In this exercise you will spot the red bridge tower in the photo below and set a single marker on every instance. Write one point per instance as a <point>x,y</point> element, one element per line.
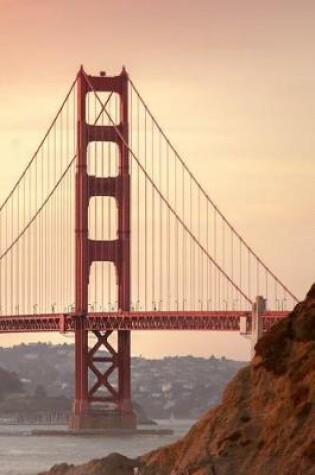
<point>114,410</point>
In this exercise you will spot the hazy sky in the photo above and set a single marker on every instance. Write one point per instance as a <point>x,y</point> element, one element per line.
<point>233,83</point>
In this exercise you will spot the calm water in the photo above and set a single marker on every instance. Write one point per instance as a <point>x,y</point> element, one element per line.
<point>23,454</point>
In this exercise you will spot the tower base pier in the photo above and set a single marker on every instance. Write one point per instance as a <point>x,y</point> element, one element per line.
<point>105,420</point>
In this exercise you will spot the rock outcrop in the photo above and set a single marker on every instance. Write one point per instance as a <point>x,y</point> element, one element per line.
<point>266,421</point>
<point>113,464</point>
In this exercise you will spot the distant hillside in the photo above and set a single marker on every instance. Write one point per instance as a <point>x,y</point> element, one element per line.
<point>9,384</point>
<point>180,387</point>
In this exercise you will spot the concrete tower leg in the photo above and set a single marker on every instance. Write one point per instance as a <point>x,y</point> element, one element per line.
<point>259,307</point>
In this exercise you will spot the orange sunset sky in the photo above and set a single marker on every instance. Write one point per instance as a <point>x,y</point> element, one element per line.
<point>233,84</point>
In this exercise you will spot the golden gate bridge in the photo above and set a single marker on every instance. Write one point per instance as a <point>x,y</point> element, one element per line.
<point>107,231</point>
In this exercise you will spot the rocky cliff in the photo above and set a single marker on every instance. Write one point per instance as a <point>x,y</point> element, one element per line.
<point>265,423</point>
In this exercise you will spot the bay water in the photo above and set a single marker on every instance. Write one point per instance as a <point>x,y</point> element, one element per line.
<point>24,454</point>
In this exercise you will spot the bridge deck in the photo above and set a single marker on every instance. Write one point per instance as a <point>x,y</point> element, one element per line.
<point>137,320</point>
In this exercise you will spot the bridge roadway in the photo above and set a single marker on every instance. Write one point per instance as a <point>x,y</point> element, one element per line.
<point>138,320</point>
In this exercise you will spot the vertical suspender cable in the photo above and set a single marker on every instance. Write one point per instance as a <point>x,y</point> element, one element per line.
<point>138,208</point>
<point>160,298</point>
<point>145,214</point>
<point>153,220</point>
<point>176,244</point>
<point>183,243</point>
<point>168,234</point>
